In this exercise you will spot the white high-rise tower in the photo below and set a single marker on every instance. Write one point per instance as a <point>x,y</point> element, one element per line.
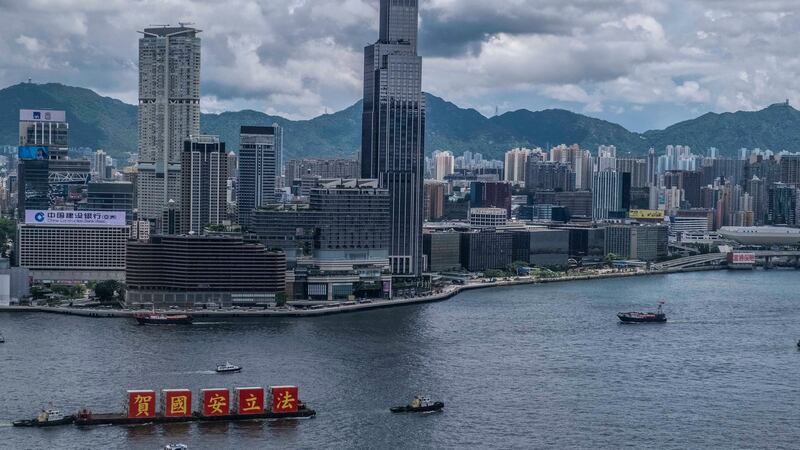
<point>169,112</point>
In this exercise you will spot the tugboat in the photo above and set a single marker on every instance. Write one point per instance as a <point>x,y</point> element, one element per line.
<point>46,418</point>
<point>154,318</point>
<point>640,317</point>
<point>228,368</point>
<point>419,404</point>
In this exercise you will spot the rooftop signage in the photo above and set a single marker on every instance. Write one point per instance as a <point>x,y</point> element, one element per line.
<point>52,217</point>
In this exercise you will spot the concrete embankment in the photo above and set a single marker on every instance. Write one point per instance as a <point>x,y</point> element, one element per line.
<point>452,291</point>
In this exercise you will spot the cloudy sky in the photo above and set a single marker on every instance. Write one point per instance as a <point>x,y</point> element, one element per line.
<point>642,63</point>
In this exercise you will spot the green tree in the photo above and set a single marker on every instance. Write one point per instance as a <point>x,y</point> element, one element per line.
<point>106,291</point>
<point>280,299</point>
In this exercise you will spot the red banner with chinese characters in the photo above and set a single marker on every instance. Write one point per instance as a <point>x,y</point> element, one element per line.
<point>177,402</point>
<point>216,402</point>
<point>250,400</point>
<point>284,399</point>
<point>141,404</point>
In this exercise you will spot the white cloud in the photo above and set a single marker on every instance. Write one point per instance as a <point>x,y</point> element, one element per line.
<point>299,57</point>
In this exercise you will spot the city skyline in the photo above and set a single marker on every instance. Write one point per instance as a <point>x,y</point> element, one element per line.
<point>641,64</point>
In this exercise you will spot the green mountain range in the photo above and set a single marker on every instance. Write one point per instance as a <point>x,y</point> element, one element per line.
<point>107,123</point>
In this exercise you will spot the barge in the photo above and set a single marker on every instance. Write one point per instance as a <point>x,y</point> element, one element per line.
<point>123,419</point>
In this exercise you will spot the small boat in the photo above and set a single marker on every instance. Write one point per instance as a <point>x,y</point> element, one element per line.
<point>798,344</point>
<point>153,318</point>
<point>2,339</point>
<point>419,404</point>
<point>228,368</point>
<point>177,446</point>
<point>640,317</point>
<point>46,418</point>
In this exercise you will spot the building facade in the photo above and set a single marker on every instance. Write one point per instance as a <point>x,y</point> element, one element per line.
<point>110,196</point>
<point>73,245</point>
<point>169,112</point>
<point>260,156</point>
<point>541,247</point>
<point>204,183</point>
<point>442,251</point>
<point>642,242</point>
<point>486,249</point>
<point>393,145</point>
<point>202,270</point>
<point>487,217</point>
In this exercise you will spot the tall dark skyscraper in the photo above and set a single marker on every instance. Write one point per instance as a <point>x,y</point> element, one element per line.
<point>392,140</point>
<point>260,151</point>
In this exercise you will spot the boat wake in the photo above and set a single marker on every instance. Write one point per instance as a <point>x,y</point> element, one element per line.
<point>192,372</point>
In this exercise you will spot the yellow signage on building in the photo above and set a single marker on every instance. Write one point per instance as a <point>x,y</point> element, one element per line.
<point>647,214</point>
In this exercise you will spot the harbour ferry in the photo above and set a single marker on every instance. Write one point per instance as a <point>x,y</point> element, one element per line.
<point>154,318</point>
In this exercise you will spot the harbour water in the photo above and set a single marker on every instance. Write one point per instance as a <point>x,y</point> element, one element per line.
<point>545,366</point>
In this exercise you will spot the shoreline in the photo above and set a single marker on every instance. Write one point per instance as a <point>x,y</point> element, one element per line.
<point>343,309</point>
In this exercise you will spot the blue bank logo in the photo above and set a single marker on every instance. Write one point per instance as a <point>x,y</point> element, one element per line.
<point>37,115</point>
<point>39,217</point>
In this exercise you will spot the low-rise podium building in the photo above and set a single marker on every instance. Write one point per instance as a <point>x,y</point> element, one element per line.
<point>203,270</point>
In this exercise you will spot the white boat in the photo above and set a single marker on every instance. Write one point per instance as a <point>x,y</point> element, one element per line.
<point>2,339</point>
<point>176,447</point>
<point>228,367</point>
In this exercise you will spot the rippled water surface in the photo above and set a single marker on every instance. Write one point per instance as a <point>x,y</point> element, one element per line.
<point>520,367</point>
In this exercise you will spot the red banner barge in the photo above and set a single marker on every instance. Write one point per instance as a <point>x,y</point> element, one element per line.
<point>215,405</point>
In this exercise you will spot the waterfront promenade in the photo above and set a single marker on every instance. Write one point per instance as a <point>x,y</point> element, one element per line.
<point>339,307</point>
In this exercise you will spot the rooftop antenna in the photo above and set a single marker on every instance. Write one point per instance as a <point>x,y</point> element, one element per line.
<point>496,110</point>
<point>183,24</point>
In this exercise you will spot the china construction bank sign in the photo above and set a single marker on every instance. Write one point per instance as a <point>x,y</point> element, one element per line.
<point>51,217</point>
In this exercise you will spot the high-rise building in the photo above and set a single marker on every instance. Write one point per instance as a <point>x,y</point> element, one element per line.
<point>434,199</point>
<point>758,192</point>
<point>637,168</point>
<point>169,112</point>
<point>490,194</point>
<point>443,164</point>
<point>392,145</point>
<point>43,135</point>
<point>608,194</point>
<point>790,169</point>
<point>99,164</point>
<point>203,183</point>
<point>515,164</point>
<point>652,168</point>
<point>549,176</point>
<point>782,205</point>
<point>260,151</point>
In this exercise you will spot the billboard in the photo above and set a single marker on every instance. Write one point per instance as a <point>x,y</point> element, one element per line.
<point>284,399</point>
<point>42,115</point>
<point>176,402</point>
<point>647,214</point>
<point>250,400</point>
<point>141,404</point>
<point>742,258</point>
<point>52,217</point>
<point>216,402</point>
<point>33,152</point>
